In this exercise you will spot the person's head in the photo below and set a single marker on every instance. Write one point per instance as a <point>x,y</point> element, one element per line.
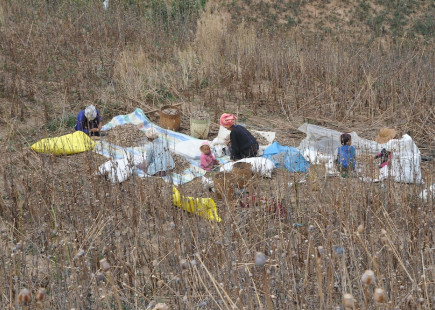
<point>90,113</point>
<point>385,135</point>
<point>228,120</point>
<point>346,139</point>
<point>151,134</point>
<point>205,148</point>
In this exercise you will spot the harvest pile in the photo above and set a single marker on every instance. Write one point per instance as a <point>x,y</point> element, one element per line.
<point>181,163</point>
<point>170,111</point>
<point>260,139</point>
<point>200,115</point>
<point>126,136</point>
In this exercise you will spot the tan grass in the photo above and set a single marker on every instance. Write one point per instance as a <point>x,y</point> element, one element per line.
<point>58,220</point>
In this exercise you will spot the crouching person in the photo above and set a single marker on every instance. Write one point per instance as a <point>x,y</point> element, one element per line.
<point>242,143</point>
<point>158,157</point>
<point>89,121</point>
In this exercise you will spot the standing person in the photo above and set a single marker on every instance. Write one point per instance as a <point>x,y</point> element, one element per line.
<point>89,121</point>
<point>158,157</point>
<point>242,142</point>
<point>207,159</point>
<point>346,155</point>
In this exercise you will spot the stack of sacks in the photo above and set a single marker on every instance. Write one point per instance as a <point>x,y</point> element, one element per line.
<point>119,170</point>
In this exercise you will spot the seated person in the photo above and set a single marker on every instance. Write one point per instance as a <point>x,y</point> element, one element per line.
<point>89,121</point>
<point>158,157</point>
<point>346,155</point>
<point>207,159</point>
<point>243,144</point>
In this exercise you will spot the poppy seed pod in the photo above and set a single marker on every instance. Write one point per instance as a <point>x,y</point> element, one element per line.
<point>161,306</point>
<point>348,301</point>
<point>99,276</point>
<point>24,297</point>
<point>260,259</point>
<point>379,295</point>
<point>184,264</point>
<point>79,254</point>
<point>320,250</point>
<point>368,277</point>
<point>104,265</point>
<point>40,294</point>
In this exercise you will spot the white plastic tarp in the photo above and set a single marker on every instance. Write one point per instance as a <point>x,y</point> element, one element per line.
<point>189,148</point>
<point>320,146</point>
<point>224,134</point>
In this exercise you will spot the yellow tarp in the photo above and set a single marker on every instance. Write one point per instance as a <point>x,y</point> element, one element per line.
<point>72,143</point>
<point>204,207</point>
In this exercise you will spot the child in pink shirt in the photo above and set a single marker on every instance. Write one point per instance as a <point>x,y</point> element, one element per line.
<point>385,157</point>
<point>208,161</point>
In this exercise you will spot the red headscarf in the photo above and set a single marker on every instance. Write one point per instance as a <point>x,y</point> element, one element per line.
<point>227,120</point>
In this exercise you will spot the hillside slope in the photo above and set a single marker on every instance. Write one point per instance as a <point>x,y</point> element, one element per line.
<point>396,19</point>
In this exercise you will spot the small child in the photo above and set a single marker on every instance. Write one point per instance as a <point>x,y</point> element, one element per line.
<point>346,155</point>
<point>208,161</point>
<point>385,157</point>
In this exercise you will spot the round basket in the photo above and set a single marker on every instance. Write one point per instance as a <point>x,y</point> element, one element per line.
<point>199,128</point>
<point>223,184</point>
<point>242,173</point>
<point>170,120</point>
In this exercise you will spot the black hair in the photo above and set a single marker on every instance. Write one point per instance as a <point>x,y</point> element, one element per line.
<point>344,138</point>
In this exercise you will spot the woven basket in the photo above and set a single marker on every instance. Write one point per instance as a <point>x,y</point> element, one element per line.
<point>199,128</point>
<point>171,122</point>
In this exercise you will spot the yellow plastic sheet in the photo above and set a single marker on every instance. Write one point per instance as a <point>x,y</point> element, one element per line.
<point>204,207</point>
<point>72,143</point>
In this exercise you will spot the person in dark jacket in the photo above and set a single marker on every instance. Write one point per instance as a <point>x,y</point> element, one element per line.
<point>89,121</point>
<point>243,143</point>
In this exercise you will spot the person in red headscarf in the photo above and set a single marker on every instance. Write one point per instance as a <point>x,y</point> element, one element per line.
<point>243,143</point>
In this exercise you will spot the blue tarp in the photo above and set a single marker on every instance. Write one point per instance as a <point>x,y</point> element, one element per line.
<point>286,157</point>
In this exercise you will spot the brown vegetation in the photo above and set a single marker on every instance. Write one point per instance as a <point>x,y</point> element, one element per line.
<point>59,221</point>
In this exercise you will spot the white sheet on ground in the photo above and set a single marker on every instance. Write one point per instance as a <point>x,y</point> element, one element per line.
<point>189,148</point>
<point>320,146</point>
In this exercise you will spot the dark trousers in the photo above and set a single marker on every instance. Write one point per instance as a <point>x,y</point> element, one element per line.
<point>252,151</point>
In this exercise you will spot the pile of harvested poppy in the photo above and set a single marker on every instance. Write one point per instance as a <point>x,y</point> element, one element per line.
<point>126,135</point>
<point>260,139</point>
<point>170,111</point>
<point>181,163</point>
<point>200,115</point>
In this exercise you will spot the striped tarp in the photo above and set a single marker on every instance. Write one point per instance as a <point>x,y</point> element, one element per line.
<point>139,119</point>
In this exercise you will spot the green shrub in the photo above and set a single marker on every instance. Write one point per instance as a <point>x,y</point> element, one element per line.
<point>425,26</point>
<point>68,121</point>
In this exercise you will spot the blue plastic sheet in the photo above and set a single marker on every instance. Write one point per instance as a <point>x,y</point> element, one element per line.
<point>286,157</point>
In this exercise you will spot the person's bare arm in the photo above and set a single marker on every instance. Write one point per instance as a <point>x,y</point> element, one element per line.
<point>98,128</point>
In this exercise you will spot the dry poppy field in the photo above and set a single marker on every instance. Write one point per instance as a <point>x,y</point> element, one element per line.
<point>72,240</point>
